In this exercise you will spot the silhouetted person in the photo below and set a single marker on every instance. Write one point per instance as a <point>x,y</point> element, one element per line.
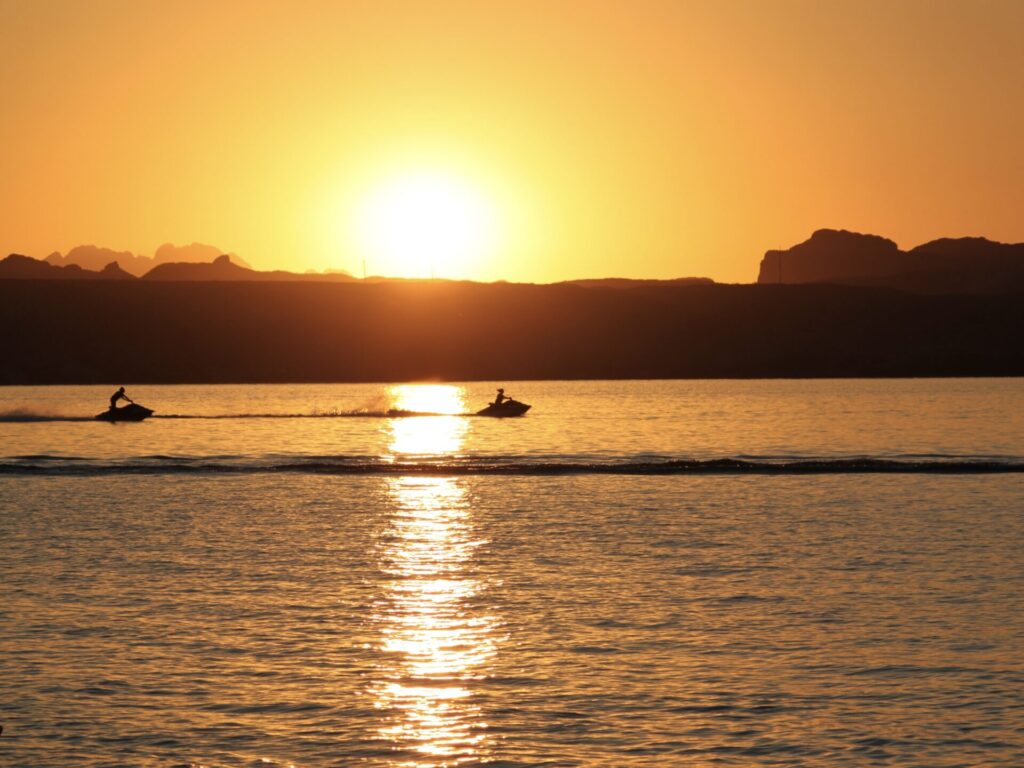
<point>119,395</point>
<point>501,397</point>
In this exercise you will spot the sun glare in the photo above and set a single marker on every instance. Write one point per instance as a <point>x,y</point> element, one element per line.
<point>425,224</point>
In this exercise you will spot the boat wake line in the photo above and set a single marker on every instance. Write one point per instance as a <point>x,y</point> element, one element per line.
<point>391,413</point>
<point>35,417</point>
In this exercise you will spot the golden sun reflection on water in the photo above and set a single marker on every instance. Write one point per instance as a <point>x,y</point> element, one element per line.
<point>436,636</point>
<point>427,435</point>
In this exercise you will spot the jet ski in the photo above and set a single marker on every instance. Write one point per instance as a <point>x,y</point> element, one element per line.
<point>132,412</point>
<point>506,409</point>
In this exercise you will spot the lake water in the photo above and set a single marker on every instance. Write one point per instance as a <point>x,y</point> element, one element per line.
<point>691,573</point>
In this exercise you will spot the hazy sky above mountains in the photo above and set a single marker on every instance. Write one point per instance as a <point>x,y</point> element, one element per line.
<point>583,139</point>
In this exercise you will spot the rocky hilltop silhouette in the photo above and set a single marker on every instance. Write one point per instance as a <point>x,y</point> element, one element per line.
<point>94,258</point>
<point>948,265</point>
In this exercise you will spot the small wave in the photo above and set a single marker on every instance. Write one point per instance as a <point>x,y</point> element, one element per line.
<point>477,465</point>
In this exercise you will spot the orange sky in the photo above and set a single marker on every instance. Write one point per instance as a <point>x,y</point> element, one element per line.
<point>637,139</point>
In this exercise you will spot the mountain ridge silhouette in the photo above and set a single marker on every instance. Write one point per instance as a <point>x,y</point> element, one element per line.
<point>94,258</point>
<point>829,256</point>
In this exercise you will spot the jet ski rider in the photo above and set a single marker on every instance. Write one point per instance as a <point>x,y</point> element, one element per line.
<point>500,398</point>
<point>119,395</point>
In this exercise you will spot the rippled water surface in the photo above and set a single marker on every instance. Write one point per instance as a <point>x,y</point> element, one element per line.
<point>820,573</point>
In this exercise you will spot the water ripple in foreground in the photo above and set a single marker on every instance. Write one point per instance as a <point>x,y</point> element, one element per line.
<point>455,466</point>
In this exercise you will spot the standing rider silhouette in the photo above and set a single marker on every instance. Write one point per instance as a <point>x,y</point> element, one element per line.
<point>119,395</point>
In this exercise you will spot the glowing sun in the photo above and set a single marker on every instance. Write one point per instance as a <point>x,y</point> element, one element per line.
<point>425,224</point>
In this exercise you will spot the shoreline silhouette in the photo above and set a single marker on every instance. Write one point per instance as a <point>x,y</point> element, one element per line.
<point>85,332</point>
<point>840,304</point>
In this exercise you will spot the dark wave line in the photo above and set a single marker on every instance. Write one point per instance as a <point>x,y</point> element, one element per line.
<point>166,465</point>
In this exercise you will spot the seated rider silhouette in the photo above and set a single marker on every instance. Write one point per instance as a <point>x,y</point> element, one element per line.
<point>501,397</point>
<point>119,395</point>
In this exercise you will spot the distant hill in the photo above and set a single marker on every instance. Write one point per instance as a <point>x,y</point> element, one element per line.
<point>113,271</point>
<point>219,269</point>
<point>222,269</point>
<point>625,282</point>
<point>194,253</point>
<point>94,258</point>
<point>948,265</point>
<point>18,267</point>
<point>59,331</point>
